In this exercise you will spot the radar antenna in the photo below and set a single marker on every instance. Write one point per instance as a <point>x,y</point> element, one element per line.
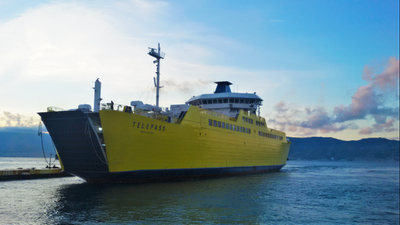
<point>158,54</point>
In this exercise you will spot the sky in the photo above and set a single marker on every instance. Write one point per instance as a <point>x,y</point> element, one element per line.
<point>323,68</point>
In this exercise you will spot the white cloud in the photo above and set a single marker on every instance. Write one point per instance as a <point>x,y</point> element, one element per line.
<point>52,54</point>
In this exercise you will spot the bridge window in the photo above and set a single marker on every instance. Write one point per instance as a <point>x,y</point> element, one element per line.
<point>225,100</point>
<point>241,100</point>
<point>209,101</point>
<point>204,101</point>
<point>219,100</point>
<point>237,100</point>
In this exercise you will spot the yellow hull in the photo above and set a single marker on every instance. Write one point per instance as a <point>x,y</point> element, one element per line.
<point>138,143</point>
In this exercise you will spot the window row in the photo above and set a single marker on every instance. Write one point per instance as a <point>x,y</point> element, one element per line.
<point>228,126</point>
<point>225,100</point>
<point>261,124</point>
<point>247,120</point>
<point>268,135</point>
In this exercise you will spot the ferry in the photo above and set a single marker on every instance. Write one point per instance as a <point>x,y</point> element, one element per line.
<point>210,135</point>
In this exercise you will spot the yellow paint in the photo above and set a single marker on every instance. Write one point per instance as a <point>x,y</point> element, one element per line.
<point>134,143</point>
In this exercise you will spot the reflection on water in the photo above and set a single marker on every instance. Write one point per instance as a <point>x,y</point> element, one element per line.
<point>303,192</point>
<point>224,200</point>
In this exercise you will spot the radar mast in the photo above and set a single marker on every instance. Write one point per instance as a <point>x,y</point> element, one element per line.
<point>158,54</point>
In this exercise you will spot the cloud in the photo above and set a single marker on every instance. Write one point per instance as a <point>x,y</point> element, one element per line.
<point>382,126</point>
<point>368,101</point>
<point>366,130</point>
<point>17,120</point>
<point>60,49</point>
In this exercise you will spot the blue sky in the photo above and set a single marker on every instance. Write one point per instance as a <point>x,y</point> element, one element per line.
<point>324,68</point>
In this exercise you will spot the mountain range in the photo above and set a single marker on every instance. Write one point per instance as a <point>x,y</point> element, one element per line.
<point>322,148</point>
<point>25,142</point>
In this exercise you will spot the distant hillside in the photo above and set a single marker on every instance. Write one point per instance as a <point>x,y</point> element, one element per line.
<point>334,149</point>
<point>24,142</point>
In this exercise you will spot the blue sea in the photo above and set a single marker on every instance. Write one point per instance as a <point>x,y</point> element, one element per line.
<point>303,192</point>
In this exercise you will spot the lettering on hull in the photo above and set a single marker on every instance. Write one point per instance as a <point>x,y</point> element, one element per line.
<point>148,126</point>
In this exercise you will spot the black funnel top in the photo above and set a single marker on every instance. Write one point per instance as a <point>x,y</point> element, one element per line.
<point>223,87</point>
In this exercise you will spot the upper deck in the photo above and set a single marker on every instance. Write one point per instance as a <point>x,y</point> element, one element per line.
<point>226,102</point>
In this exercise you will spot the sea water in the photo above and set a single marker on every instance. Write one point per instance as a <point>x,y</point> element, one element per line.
<point>303,192</point>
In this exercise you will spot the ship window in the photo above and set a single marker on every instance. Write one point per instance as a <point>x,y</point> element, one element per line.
<point>247,120</point>
<point>215,123</point>
<point>252,101</point>
<point>209,101</point>
<point>243,118</point>
<point>223,125</point>
<point>249,131</point>
<point>247,101</point>
<point>225,100</point>
<point>233,127</point>
<point>219,100</point>
<point>214,101</point>
<point>231,100</point>
<point>204,101</point>
<point>237,100</point>
<point>219,123</point>
<point>227,126</point>
<point>251,121</point>
<point>241,100</point>
<point>230,126</point>
<point>210,122</point>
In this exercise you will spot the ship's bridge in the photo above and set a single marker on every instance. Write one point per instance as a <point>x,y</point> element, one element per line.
<point>225,102</point>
